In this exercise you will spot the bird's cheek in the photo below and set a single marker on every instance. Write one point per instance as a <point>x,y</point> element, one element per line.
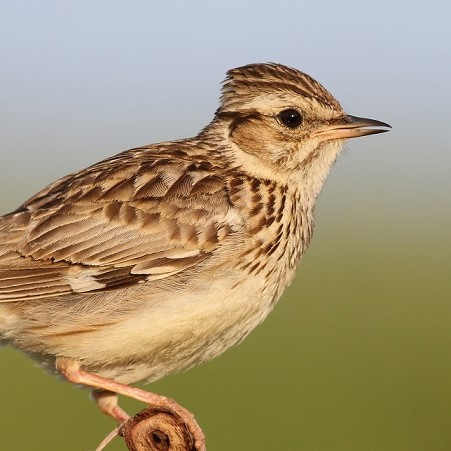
<point>249,139</point>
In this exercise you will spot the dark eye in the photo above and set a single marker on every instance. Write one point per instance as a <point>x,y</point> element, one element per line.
<point>291,118</point>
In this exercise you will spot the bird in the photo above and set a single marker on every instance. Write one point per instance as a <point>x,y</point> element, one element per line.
<point>164,256</point>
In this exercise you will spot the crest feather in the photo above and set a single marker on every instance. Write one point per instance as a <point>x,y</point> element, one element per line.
<point>253,80</point>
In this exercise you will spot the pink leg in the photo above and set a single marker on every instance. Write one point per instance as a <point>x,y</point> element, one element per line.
<point>107,401</point>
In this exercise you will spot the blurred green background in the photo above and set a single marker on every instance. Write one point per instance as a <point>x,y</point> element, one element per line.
<point>357,354</point>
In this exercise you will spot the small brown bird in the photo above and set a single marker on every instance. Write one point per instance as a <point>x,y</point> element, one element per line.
<point>166,255</point>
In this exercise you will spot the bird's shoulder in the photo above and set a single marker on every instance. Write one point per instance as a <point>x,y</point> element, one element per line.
<point>159,171</point>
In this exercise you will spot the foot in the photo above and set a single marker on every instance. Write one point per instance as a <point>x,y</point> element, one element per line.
<point>107,397</point>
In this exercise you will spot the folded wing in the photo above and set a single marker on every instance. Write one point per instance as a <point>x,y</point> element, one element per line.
<point>142,215</point>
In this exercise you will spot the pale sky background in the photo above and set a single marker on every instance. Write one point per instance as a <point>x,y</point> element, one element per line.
<point>81,81</point>
<point>84,80</point>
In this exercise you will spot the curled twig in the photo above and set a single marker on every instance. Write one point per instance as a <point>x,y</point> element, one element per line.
<point>160,429</point>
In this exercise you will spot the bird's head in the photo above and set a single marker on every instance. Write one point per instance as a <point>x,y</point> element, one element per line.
<point>280,120</point>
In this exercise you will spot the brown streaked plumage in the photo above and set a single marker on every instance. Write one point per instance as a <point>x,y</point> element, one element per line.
<point>164,256</point>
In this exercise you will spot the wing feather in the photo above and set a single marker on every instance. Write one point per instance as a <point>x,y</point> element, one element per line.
<point>142,215</point>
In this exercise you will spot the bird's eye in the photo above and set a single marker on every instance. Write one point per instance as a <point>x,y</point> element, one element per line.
<point>290,118</point>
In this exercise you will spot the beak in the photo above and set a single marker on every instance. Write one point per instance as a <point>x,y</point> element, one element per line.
<point>350,127</point>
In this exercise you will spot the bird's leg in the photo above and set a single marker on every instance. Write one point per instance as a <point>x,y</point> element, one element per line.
<point>107,403</point>
<point>108,390</point>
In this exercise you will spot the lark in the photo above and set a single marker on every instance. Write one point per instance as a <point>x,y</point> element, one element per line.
<point>164,256</point>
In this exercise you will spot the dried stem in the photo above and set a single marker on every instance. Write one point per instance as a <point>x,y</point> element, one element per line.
<point>159,429</point>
